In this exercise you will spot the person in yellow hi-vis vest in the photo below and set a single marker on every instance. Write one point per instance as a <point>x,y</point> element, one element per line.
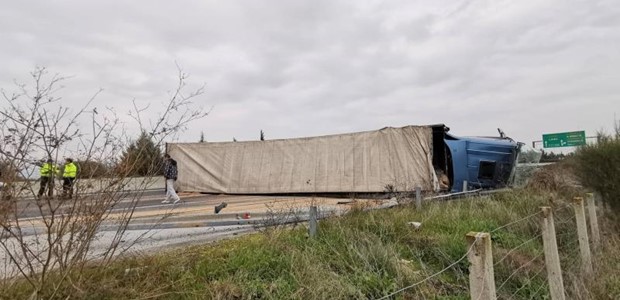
<point>48,172</point>
<point>68,178</point>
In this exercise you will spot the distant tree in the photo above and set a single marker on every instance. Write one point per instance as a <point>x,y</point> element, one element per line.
<point>262,135</point>
<point>141,158</point>
<point>553,157</point>
<point>93,169</point>
<point>598,167</point>
<point>234,139</point>
<point>549,157</point>
<point>202,137</point>
<point>7,173</point>
<point>36,123</point>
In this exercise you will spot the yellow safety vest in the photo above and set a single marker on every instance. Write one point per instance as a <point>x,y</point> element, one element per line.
<point>48,169</point>
<point>70,171</point>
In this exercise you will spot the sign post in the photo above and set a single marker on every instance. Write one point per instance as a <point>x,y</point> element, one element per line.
<point>564,139</point>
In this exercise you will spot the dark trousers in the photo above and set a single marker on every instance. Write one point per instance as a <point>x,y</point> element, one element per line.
<point>67,187</point>
<point>46,183</point>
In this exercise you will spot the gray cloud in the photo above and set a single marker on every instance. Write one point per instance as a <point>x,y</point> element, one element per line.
<point>299,68</point>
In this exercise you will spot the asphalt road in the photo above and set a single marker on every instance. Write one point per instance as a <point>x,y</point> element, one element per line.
<point>155,226</point>
<point>194,211</point>
<point>27,206</point>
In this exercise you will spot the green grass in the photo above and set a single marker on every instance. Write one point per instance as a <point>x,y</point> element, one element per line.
<point>366,254</point>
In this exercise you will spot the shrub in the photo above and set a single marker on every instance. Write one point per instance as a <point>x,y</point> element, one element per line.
<point>598,167</point>
<point>92,169</point>
<point>143,157</point>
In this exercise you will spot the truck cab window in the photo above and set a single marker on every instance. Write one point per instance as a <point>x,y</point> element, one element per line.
<point>486,170</point>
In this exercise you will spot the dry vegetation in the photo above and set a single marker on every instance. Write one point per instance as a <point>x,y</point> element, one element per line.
<point>52,248</point>
<point>370,254</point>
<point>366,254</point>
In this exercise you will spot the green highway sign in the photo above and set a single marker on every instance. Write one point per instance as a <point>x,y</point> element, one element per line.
<point>564,139</point>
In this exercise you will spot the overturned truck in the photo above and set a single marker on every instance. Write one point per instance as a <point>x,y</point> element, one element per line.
<point>362,162</point>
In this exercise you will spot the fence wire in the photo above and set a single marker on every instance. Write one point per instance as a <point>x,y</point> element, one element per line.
<point>434,275</point>
<point>537,293</point>
<point>567,246</point>
<point>524,267</point>
<point>571,249</point>
<point>517,248</point>
<point>519,269</point>
<point>515,222</point>
<point>528,284</point>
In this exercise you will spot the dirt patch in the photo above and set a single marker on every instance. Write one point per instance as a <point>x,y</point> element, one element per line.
<point>558,177</point>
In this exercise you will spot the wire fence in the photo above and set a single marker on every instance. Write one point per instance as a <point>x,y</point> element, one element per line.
<point>516,222</point>
<point>432,276</point>
<point>522,267</point>
<point>514,267</point>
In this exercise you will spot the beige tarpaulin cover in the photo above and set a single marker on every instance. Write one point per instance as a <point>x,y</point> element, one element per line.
<point>355,162</point>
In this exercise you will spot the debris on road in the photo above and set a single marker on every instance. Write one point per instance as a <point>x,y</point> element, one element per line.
<point>219,207</point>
<point>345,202</point>
<point>245,216</point>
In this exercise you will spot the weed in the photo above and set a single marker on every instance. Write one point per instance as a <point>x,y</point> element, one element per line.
<point>365,254</point>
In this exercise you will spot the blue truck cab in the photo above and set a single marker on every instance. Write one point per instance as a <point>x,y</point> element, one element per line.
<point>482,162</point>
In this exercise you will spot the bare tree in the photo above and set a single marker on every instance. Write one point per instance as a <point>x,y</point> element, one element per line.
<point>41,235</point>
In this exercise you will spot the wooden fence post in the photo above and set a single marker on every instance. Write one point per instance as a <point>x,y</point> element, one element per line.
<point>552,258</point>
<point>481,274</point>
<point>596,234</point>
<point>582,232</point>
<point>418,198</point>
<point>312,221</point>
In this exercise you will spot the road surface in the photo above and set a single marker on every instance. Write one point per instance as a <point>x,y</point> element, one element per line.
<point>156,226</point>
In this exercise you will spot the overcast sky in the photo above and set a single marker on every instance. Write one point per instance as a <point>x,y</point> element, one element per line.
<point>305,68</point>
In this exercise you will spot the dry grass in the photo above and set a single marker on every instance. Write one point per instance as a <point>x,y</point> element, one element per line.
<point>557,178</point>
<point>367,254</point>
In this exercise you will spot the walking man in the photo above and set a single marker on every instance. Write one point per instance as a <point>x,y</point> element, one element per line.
<point>2,196</point>
<point>68,178</point>
<point>48,172</point>
<point>170,174</point>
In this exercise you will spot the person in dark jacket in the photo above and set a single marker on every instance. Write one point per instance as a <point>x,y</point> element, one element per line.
<point>170,174</point>
<point>2,196</point>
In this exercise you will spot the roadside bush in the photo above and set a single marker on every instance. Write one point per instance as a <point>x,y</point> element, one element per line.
<point>598,167</point>
<point>48,243</point>
<point>557,178</point>
<point>93,169</point>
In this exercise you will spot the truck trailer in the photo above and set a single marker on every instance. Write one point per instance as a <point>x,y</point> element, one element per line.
<point>363,162</point>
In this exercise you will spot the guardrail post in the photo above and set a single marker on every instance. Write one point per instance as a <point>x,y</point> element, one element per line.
<point>465,186</point>
<point>582,232</point>
<point>418,198</point>
<point>481,274</point>
<point>596,234</point>
<point>552,258</point>
<point>312,221</point>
